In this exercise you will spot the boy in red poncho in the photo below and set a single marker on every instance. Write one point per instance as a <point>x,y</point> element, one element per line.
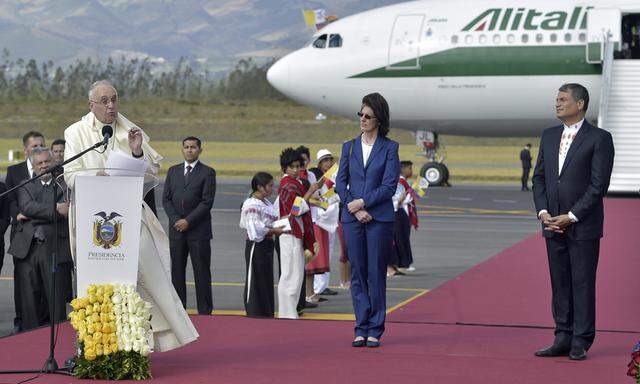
<point>300,243</point>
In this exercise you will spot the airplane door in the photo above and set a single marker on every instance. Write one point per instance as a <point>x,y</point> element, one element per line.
<point>602,22</point>
<point>404,45</point>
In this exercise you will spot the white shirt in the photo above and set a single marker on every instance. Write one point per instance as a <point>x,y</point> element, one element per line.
<point>257,218</point>
<point>29,167</point>
<point>186,164</point>
<point>568,130</point>
<point>366,151</point>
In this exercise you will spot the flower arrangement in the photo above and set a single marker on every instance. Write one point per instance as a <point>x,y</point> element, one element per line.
<point>113,328</point>
<point>634,364</point>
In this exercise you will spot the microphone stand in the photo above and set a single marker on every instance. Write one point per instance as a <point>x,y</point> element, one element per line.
<point>51,365</point>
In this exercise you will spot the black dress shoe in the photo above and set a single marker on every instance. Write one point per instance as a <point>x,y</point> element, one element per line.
<point>553,351</point>
<point>328,292</point>
<point>578,353</point>
<point>310,305</point>
<point>358,343</point>
<point>373,343</point>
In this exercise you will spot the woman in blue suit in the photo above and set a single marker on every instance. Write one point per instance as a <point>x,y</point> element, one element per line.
<point>366,181</point>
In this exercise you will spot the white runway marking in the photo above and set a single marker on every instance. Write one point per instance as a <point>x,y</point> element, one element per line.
<point>460,199</point>
<point>505,201</point>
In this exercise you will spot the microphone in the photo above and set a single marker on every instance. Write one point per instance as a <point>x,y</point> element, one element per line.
<point>107,132</point>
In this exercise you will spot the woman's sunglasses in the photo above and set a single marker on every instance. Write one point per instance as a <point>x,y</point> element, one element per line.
<point>367,117</point>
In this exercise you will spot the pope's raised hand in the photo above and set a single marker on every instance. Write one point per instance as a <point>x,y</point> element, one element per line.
<point>135,141</point>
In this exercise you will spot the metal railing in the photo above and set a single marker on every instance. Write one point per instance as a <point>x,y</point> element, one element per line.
<point>607,69</point>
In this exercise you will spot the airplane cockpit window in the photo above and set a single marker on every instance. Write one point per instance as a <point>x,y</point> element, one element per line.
<point>321,42</point>
<point>335,41</point>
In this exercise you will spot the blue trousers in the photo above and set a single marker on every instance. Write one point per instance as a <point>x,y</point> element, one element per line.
<point>368,246</point>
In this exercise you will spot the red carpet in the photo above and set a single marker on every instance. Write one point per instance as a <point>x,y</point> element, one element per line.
<point>241,350</point>
<point>512,288</point>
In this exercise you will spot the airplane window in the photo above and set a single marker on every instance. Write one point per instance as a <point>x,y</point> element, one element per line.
<point>443,39</point>
<point>335,41</point>
<point>553,38</point>
<point>496,39</point>
<point>320,42</point>
<point>482,39</point>
<point>567,37</point>
<point>454,39</point>
<point>582,37</point>
<point>511,39</point>
<point>468,39</point>
<point>539,38</point>
<point>525,38</point>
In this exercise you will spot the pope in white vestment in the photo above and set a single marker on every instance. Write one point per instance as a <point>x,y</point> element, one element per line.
<point>171,325</point>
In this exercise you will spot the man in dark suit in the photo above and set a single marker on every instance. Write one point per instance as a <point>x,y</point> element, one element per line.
<point>570,180</point>
<point>4,220</point>
<point>32,244</point>
<point>525,158</point>
<point>15,175</point>
<point>189,191</point>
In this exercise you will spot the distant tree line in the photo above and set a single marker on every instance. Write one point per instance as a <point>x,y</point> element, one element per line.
<point>134,78</point>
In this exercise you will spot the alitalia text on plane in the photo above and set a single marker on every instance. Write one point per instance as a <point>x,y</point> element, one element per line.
<point>530,19</point>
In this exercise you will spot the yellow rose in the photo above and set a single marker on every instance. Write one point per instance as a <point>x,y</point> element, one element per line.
<point>91,289</point>
<point>112,317</point>
<point>89,354</point>
<point>100,291</point>
<point>89,311</point>
<point>85,302</point>
<point>104,318</point>
<point>96,307</point>
<point>91,328</point>
<point>97,337</point>
<point>82,334</point>
<point>113,339</point>
<point>93,298</point>
<point>114,347</point>
<point>106,350</point>
<point>75,304</point>
<point>95,317</point>
<point>106,338</point>
<point>99,350</point>
<point>106,298</point>
<point>108,289</point>
<point>88,342</point>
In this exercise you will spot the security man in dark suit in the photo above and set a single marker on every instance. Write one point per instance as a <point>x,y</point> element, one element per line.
<point>189,191</point>
<point>4,220</point>
<point>570,179</point>
<point>525,158</point>
<point>15,175</point>
<point>32,244</point>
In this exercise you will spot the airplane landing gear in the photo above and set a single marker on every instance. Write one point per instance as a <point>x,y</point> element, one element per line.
<point>436,173</point>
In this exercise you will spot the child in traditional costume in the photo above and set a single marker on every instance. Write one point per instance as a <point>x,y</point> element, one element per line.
<point>299,245</point>
<point>257,218</point>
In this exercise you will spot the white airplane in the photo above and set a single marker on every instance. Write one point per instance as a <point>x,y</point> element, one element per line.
<point>476,68</point>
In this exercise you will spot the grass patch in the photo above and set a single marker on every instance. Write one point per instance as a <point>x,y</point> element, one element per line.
<point>241,138</point>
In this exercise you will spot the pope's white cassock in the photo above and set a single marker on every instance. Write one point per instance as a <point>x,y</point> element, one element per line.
<point>172,327</point>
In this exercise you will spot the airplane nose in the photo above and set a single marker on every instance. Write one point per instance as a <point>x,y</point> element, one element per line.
<point>278,75</point>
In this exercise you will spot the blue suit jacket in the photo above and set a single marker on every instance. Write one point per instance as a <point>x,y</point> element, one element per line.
<point>375,184</point>
<point>581,184</point>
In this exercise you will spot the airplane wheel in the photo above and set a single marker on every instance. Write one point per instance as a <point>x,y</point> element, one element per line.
<point>435,173</point>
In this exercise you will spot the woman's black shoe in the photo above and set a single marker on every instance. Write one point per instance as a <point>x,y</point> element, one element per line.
<point>359,342</point>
